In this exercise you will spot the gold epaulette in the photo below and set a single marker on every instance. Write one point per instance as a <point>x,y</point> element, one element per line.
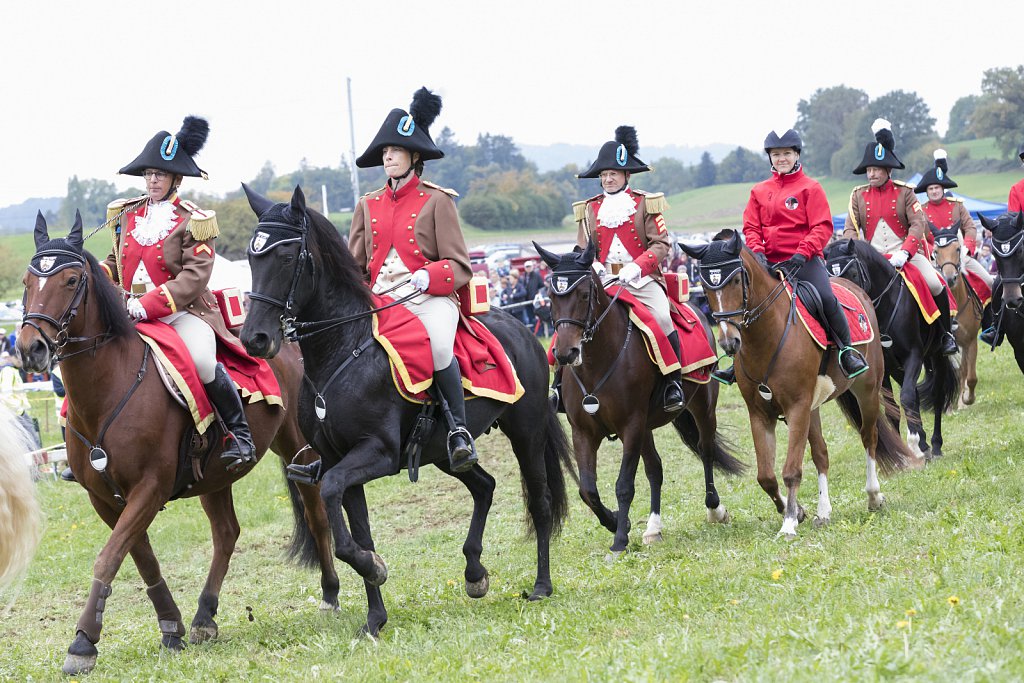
<point>446,190</point>
<point>901,183</point>
<point>955,199</point>
<point>655,202</point>
<point>202,223</point>
<point>860,187</point>
<point>115,207</point>
<point>579,210</point>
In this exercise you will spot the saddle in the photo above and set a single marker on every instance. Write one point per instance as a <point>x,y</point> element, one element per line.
<point>811,313</point>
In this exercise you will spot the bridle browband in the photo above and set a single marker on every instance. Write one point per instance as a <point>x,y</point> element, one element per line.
<point>1004,249</point>
<point>749,315</point>
<point>589,325</point>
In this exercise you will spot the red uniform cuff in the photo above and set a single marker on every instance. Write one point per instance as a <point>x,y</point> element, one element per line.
<point>157,303</point>
<point>442,278</point>
<point>971,245</point>
<point>910,245</point>
<point>648,263</point>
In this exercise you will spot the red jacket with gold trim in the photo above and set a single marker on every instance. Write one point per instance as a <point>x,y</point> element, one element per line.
<point>894,201</point>
<point>421,223</point>
<point>945,213</point>
<point>648,245</point>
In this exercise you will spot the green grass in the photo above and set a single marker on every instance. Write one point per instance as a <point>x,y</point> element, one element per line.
<point>983,148</point>
<point>866,598</point>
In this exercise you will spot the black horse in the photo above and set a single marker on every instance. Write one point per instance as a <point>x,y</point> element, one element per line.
<point>1008,248</point>
<point>304,277</point>
<point>909,343</point>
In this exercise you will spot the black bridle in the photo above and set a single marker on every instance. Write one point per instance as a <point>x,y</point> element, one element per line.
<point>1004,249</point>
<point>588,325</point>
<point>56,344</point>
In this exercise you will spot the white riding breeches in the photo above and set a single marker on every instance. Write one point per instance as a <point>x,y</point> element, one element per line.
<point>200,341</point>
<point>654,298</point>
<point>931,276</point>
<point>971,264</point>
<point>440,315</point>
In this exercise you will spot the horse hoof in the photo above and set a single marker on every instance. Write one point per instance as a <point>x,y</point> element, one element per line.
<point>650,539</point>
<point>821,521</point>
<point>613,555</point>
<point>202,634</point>
<point>719,515</point>
<point>173,644</point>
<point>328,607</point>
<point>788,530</point>
<point>875,502</point>
<point>379,573</point>
<point>478,589</point>
<point>78,664</point>
<point>801,514</point>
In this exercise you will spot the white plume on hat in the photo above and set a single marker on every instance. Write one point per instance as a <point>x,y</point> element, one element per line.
<point>880,124</point>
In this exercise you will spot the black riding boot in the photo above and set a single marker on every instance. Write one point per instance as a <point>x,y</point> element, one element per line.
<point>726,376</point>
<point>461,450</point>
<point>673,389</point>
<point>555,395</point>
<point>851,362</point>
<point>238,446</point>
<point>947,342</point>
<point>67,475</point>
<point>992,334</point>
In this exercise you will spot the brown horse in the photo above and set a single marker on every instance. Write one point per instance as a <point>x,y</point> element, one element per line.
<point>75,315</point>
<point>948,256</point>
<point>603,355</point>
<point>783,374</point>
<point>19,510</point>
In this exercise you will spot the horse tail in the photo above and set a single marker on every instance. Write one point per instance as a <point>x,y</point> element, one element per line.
<point>891,453</point>
<point>19,509</point>
<point>945,367</point>
<point>557,455</point>
<point>302,550</point>
<point>721,449</point>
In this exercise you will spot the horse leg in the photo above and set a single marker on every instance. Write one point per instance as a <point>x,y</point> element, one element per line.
<point>702,409</point>
<point>625,486</point>
<point>481,487</point>
<point>762,428</point>
<point>799,421</point>
<point>911,406</point>
<point>969,379</point>
<point>869,406</point>
<point>938,396</point>
<point>220,510</point>
<point>819,454</point>
<point>585,447</point>
<point>894,418</point>
<point>128,529</point>
<point>655,476</point>
<point>354,502</point>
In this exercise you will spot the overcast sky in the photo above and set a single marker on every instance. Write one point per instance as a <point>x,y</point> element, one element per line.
<point>86,84</point>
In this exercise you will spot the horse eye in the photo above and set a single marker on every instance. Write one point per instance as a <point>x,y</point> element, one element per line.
<point>72,281</point>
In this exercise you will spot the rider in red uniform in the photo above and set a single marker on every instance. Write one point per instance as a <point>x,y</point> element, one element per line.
<point>787,224</point>
<point>1016,199</point>
<point>1015,202</point>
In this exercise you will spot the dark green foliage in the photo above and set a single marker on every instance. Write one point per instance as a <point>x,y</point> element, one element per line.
<point>961,119</point>
<point>824,123</point>
<point>1000,113</point>
<point>706,173</point>
<point>90,196</point>
<point>743,166</point>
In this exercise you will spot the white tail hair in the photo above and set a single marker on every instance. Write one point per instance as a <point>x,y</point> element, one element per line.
<point>19,510</point>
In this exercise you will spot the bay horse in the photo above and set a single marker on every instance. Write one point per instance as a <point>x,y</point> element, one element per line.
<point>305,278</point>
<point>1007,240</point>
<point>76,316</point>
<point>909,343</point>
<point>949,259</point>
<point>783,374</point>
<point>19,510</point>
<point>603,355</point>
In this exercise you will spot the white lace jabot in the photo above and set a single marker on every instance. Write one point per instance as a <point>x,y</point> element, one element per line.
<point>155,224</point>
<point>616,209</point>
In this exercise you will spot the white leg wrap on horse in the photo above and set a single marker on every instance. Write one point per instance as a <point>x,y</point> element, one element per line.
<point>871,487</point>
<point>824,503</point>
<point>653,531</point>
<point>788,527</point>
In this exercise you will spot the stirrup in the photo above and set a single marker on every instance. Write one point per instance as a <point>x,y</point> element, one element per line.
<point>461,459</point>
<point>726,376</point>
<point>310,474</point>
<point>235,460</point>
<point>673,405</point>
<point>989,337</point>
<point>855,373</point>
<point>67,475</point>
<point>948,337</point>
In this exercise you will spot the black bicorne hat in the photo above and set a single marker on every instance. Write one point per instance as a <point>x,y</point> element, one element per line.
<point>880,152</point>
<point>936,175</point>
<point>410,130</point>
<point>173,153</point>
<point>617,155</point>
<point>788,139</point>
<point>1020,152</point>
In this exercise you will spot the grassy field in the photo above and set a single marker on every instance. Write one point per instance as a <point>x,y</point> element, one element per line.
<point>927,589</point>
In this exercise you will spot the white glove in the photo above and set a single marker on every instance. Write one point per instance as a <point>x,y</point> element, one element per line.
<point>630,273</point>
<point>599,269</point>
<point>899,259</point>
<point>136,310</point>
<point>420,280</point>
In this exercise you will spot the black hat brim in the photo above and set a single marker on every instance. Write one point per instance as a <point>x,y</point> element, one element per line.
<point>609,159</point>
<point>392,134</point>
<point>156,155</point>
<point>877,155</point>
<point>932,178</point>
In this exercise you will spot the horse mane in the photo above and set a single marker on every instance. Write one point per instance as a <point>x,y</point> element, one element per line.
<point>108,300</point>
<point>333,259</point>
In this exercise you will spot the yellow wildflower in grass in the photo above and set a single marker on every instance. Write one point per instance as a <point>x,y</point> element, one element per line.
<point>953,600</point>
<point>74,526</point>
<point>911,612</point>
<point>734,601</point>
<point>902,624</point>
<point>776,575</point>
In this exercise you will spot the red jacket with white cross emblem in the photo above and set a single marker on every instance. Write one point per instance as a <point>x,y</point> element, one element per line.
<point>786,215</point>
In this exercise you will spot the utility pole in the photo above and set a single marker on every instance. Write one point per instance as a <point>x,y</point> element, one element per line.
<point>352,151</point>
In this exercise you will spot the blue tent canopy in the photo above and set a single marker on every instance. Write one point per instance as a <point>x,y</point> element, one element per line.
<point>976,207</point>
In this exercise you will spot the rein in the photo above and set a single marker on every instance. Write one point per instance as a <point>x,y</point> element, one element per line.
<point>589,328</point>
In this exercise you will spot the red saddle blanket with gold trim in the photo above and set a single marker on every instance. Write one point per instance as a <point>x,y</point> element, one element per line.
<point>856,317</point>
<point>979,286</point>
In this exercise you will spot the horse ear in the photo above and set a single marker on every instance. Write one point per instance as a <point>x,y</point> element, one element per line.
<point>549,258</point>
<point>696,251</point>
<point>1020,220</point>
<point>989,224</point>
<point>42,236</point>
<point>934,228</point>
<point>734,245</point>
<point>257,202</point>
<point>298,201</point>
<point>956,227</point>
<point>586,259</point>
<point>75,236</point>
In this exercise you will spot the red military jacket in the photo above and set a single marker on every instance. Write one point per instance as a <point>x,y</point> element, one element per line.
<point>179,261</point>
<point>945,213</point>
<point>786,215</point>
<point>1016,199</point>
<point>421,223</point>
<point>896,203</point>
<point>647,246</point>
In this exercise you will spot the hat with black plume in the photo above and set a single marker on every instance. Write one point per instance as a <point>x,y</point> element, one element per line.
<point>617,155</point>
<point>173,153</point>
<point>410,130</point>
<point>937,174</point>
<point>880,152</point>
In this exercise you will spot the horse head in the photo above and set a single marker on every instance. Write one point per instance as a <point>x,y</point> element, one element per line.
<point>55,286</point>
<point>947,251</point>
<point>282,272</point>
<point>1008,248</point>
<point>577,300</point>
<point>842,260</point>
<point>727,270</point>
